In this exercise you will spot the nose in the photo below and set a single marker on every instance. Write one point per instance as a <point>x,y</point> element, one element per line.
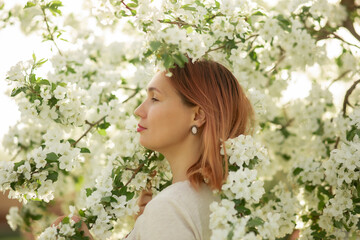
<point>139,111</point>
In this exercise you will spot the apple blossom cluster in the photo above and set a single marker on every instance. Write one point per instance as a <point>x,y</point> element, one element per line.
<point>242,189</point>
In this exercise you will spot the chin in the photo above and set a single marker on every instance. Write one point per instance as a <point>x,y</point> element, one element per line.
<point>147,145</point>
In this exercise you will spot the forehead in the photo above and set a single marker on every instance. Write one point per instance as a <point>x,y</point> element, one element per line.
<point>160,83</point>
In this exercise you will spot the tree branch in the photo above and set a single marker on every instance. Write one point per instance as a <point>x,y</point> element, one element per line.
<point>137,90</point>
<point>347,95</point>
<point>281,58</point>
<point>223,46</point>
<point>129,8</point>
<point>134,173</point>
<point>349,23</point>
<point>49,30</point>
<point>17,153</point>
<point>343,40</point>
<point>340,77</point>
<point>179,23</point>
<point>91,126</point>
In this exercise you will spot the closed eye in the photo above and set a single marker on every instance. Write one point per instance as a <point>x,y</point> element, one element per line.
<point>154,99</point>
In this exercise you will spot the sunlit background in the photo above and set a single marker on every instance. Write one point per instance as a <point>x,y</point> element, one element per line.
<point>15,46</point>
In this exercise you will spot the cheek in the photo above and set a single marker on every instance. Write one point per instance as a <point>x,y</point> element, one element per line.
<point>168,123</point>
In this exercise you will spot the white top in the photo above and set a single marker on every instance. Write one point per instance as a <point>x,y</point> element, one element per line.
<point>178,212</point>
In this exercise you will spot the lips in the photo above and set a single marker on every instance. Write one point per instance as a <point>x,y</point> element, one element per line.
<point>140,128</point>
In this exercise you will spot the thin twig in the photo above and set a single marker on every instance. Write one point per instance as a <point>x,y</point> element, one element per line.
<point>48,28</point>
<point>132,95</point>
<point>282,57</point>
<point>347,95</point>
<point>130,9</point>
<point>134,173</point>
<point>91,126</point>
<point>337,142</point>
<point>343,40</point>
<point>136,170</point>
<point>179,23</point>
<point>340,77</point>
<point>223,46</point>
<point>17,153</point>
<point>351,8</point>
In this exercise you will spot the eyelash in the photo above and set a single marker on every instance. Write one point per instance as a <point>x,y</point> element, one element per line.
<point>154,99</point>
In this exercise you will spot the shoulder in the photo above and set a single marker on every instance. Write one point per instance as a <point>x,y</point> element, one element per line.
<point>178,211</point>
<point>182,199</point>
<point>183,192</point>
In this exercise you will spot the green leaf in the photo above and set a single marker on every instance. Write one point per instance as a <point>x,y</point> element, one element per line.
<point>51,157</point>
<point>351,134</point>
<point>258,13</point>
<point>189,7</point>
<point>129,195</point>
<point>13,185</point>
<point>53,176</point>
<point>104,125</point>
<point>18,164</point>
<point>357,209</point>
<point>32,78</point>
<point>71,141</point>
<point>189,30</point>
<point>29,4</point>
<point>132,5</point>
<point>297,171</point>
<point>324,191</point>
<point>102,132</point>
<point>243,210</point>
<point>36,217</point>
<point>41,62</point>
<point>284,23</point>
<point>148,53</point>
<point>85,150</point>
<point>53,86</point>
<point>338,224</point>
<point>16,91</point>
<point>81,213</point>
<point>77,226</point>
<point>43,82</point>
<point>230,235</point>
<point>321,205</point>
<point>53,7</point>
<point>178,60</point>
<point>309,188</point>
<point>89,191</point>
<point>154,45</point>
<point>253,222</point>
<point>339,61</point>
<point>65,220</point>
<point>108,199</point>
<point>168,61</point>
<point>320,130</point>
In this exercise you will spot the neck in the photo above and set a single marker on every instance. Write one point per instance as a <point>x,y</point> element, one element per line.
<point>181,157</point>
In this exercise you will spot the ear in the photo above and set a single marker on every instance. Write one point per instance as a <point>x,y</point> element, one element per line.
<point>198,116</point>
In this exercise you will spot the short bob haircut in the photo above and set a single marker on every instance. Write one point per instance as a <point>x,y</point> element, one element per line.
<point>228,114</point>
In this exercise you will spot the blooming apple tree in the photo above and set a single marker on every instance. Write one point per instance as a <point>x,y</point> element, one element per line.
<point>76,149</point>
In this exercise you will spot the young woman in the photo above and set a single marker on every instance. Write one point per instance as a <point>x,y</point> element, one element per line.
<point>186,117</point>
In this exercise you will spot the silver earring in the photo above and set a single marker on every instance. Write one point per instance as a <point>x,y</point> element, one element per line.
<point>194,129</point>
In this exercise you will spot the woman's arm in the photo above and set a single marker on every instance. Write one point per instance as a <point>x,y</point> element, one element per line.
<point>145,197</point>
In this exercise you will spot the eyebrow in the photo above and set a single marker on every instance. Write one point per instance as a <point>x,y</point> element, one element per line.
<point>153,89</point>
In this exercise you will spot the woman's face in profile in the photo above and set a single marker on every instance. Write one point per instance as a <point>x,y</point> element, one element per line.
<point>165,121</point>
